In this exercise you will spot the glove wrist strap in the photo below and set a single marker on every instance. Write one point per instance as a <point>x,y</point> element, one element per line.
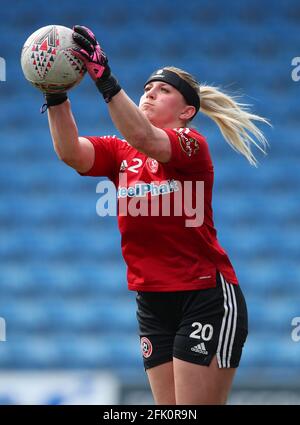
<point>53,100</point>
<point>109,87</point>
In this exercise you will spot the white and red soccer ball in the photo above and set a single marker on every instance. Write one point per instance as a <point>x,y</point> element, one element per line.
<point>47,61</point>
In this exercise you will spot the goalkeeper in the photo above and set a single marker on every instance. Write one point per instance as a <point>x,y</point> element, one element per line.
<point>190,307</point>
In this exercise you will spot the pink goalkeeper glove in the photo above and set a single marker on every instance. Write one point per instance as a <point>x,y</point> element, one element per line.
<point>89,51</point>
<point>96,62</point>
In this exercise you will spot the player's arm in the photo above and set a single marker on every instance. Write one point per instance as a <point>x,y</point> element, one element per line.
<point>127,117</point>
<point>75,151</point>
<point>137,129</point>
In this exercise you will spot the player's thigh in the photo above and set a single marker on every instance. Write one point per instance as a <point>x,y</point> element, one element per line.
<point>197,384</point>
<point>157,329</point>
<point>214,323</point>
<point>161,379</point>
<point>158,363</point>
<point>208,344</point>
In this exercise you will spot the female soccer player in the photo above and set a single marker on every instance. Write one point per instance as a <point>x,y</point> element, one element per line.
<point>191,311</point>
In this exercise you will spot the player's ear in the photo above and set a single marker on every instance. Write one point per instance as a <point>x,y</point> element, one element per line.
<point>187,113</point>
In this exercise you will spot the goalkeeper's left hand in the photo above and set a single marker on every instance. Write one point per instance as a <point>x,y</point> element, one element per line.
<point>95,60</point>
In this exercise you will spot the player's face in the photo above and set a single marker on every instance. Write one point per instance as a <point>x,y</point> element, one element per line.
<point>162,104</point>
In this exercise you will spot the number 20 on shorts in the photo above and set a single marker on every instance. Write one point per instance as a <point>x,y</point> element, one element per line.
<point>202,332</point>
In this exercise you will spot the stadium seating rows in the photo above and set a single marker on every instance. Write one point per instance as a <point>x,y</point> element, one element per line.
<point>63,284</point>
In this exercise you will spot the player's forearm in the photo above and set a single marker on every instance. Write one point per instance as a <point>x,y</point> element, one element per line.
<point>63,130</point>
<point>129,120</point>
<point>126,116</point>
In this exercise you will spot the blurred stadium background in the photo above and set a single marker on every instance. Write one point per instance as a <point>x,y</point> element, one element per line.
<point>70,321</point>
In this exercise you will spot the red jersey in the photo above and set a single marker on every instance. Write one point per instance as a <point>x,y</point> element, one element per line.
<point>161,252</point>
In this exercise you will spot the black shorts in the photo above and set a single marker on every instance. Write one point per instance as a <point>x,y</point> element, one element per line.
<point>193,325</point>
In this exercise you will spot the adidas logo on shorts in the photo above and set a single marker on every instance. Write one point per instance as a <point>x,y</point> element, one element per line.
<point>200,348</point>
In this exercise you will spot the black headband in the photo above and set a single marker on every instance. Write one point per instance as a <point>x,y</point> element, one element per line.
<point>170,77</point>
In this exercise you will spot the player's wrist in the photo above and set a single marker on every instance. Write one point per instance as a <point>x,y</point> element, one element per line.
<point>53,99</point>
<point>108,85</point>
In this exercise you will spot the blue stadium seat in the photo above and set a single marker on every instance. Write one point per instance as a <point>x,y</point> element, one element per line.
<point>268,276</point>
<point>265,352</point>
<point>33,352</point>
<point>273,316</point>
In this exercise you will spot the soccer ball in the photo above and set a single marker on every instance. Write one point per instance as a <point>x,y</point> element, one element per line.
<point>47,61</point>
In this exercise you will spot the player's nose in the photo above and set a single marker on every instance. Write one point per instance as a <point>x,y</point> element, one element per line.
<point>150,94</point>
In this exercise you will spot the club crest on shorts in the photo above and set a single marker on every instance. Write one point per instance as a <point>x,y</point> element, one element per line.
<point>146,347</point>
<point>152,165</point>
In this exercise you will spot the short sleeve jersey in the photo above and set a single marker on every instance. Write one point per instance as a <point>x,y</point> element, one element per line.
<point>165,216</point>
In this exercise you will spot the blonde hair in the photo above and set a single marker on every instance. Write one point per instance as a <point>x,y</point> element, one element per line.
<point>234,119</point>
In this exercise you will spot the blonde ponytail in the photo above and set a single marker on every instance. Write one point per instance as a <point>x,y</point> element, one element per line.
<point>234,119</point>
